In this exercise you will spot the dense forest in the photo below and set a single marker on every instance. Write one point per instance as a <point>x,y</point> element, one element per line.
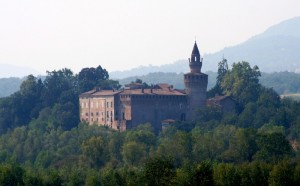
<point>42,141</point>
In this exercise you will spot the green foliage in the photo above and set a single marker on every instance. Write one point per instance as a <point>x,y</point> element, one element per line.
<point>11,174</point>
<point>94,151</point>
<point>226,174</point>
<point>90,78</point>
<point>55,99</point>
<point>222,70</point>
<point>242,146</point>
<point>41,142</point>
<point>200,174</point>
<point>283,82</point>
<point>158,171</point>
<point>241,82</point>
<point>272,147</point>
<point>281,174</point>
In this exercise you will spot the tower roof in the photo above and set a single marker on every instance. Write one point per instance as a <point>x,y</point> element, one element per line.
<point>195,50</point>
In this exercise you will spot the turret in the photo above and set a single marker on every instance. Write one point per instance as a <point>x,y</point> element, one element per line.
<point>195,62</point>
<point>195,84</point>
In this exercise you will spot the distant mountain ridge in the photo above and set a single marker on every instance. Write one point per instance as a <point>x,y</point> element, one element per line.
<point>176,67</point>
<point>275,50</point>
<point>7,71</point>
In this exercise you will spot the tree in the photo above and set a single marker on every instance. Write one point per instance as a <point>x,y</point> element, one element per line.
<point>94,151</point>
<point>226,174</point>
<point>133,152</point>
<point>158,171</point>
<point>272,147</point>
<point>203,174</point>
<point>222,70</point>
<point>11,174</point>
<point>178,146</point>
<point>56,83</point>
<point>242,82</point>
<point>242,146</point>
<point>89,78</point>
<point>281,174</point>
<point>142,134</point>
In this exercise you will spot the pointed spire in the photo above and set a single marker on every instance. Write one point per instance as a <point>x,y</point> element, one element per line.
<point>195,62</point>
<point>195,50</point>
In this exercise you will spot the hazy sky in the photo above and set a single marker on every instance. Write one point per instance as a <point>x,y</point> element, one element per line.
<point>118,35</point>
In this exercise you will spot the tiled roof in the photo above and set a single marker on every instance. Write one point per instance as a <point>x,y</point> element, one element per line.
<point>100,93</point>
<point>148,91</point>
<point>193,73</point>
<point>216,101</point>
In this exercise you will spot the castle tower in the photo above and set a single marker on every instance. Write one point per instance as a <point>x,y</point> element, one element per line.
<point>195,84</point>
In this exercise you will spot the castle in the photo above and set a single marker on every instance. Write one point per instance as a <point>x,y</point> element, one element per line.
<point>135,104</point>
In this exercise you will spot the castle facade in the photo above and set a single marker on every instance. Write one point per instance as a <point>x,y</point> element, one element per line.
<point>135,104</point>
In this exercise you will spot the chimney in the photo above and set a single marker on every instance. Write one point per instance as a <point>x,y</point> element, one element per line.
<point>142,90</point>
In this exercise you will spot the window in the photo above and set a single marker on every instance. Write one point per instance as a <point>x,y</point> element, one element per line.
<point>182,117</point>
<point>107,104</point>
<point>111,104</point>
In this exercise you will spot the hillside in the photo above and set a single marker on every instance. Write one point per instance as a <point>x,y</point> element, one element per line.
<point>7,71</point>
<point>43,142</point>
<point>275,50</point>
<point>176,67</point>
<point>9,85</point>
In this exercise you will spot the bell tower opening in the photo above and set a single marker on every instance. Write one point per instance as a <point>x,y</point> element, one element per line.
<point>195,64</point>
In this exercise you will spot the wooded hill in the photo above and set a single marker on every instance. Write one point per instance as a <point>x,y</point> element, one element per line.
<point>42,141</point>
